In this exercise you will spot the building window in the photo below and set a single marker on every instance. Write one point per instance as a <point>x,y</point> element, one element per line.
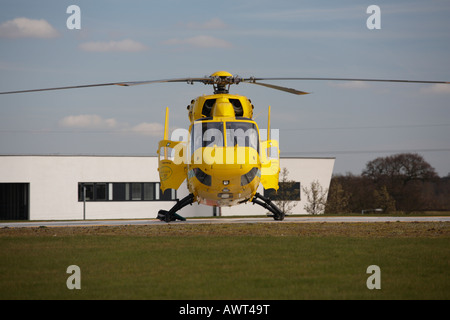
<point>86,191</point>
<point>119,192</point>
<point>127,191</point>
<point>14,201</point>
<point>101,192</point>
<point>149,191</point>
<point>288,191</point>
<point>136,191</point>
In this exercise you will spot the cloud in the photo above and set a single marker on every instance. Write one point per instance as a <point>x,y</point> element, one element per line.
<point>93,121</point>
<point>126,45</point>
<point>149,129</point>
<point>307,14</point>
<point>90,121</point>
<point>27,28</point>
<point>214,23</point>
<point>201,42</point>
<point>438,88</point>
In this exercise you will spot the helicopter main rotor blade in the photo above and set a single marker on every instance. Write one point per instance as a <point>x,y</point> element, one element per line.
<point>61,88</point>
<point>348,79</point>
<point>294,91</point>
<point>187,80</point>
<point>225,81</point>
<point>285,89</point>
<point>124,84</point>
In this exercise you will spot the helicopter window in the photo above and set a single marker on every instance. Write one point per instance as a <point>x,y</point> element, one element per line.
<point>243,134</point>
<point>206,134</point>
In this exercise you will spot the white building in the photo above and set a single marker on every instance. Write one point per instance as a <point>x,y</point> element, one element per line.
<point>116,187</point>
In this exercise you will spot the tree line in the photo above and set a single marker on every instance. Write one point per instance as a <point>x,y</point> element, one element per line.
<point>402,182</point>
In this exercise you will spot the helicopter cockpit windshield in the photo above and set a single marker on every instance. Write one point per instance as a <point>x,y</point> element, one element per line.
<point>237,133</point>
<point>207,134</point>
<point>242,134</point>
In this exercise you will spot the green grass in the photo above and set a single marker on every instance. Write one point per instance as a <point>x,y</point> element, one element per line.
<point>262,261</point>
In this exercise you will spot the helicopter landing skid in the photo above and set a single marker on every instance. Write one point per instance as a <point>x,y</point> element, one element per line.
<point>171,215</point>
<point>269,205</point>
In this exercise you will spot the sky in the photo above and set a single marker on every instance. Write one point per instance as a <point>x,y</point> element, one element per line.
<point>355,122</point>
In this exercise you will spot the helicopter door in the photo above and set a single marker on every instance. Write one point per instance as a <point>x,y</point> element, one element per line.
<point>270,160</point>
<point>171,160</point>
<point>270,164</point>
<point>171,165</point>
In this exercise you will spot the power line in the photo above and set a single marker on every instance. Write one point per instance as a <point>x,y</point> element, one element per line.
<point>369,127</point>
<point>336,152</point>
<point>110,131</point>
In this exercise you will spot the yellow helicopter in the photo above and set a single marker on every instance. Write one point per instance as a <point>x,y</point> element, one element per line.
<point>225,159</point>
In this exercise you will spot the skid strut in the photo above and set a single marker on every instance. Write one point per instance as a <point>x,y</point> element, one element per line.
<point>269,205</point>
<point>172,215</point>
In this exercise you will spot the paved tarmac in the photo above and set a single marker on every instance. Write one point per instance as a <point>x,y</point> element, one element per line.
<point>296,219</point>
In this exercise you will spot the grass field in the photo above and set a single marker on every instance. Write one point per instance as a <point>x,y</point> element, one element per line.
<point>228,261</point>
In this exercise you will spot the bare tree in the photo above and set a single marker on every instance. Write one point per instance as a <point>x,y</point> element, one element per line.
<point>317,198</point>
<point>287,195</point>
<point>403,167</point>
<point>404,176</point>
<point>403,182</point>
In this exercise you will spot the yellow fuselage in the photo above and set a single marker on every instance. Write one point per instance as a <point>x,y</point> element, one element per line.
<point>225,176</point>
<point>224,159</point>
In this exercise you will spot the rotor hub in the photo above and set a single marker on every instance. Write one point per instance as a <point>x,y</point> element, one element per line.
<point>222,80</point>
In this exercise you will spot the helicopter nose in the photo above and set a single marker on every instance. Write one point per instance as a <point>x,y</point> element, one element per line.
<point>233,177</point>
<point>226,184</point>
